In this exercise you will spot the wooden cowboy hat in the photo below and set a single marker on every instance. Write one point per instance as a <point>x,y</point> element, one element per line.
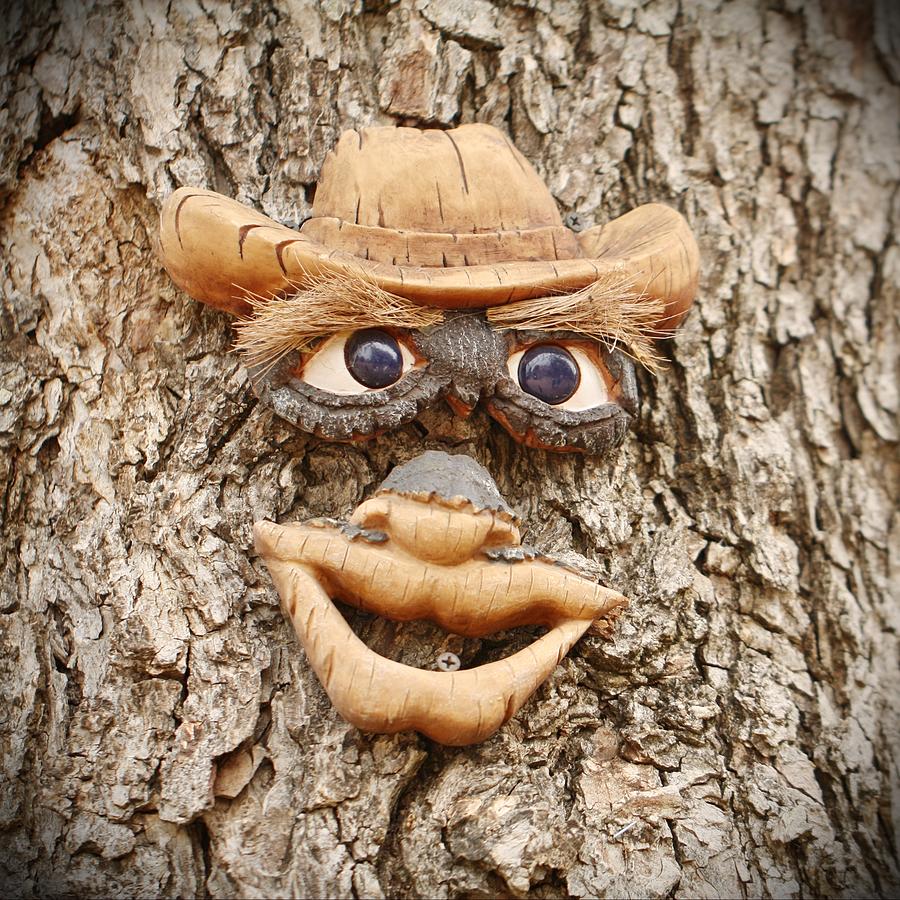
<point>452,219</point>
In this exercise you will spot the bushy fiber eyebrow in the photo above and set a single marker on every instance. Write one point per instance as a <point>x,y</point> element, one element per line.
<point>320,308</point>
<point>609,311</point>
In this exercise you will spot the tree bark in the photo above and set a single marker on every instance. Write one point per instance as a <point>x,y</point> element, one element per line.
<point>162,734</point>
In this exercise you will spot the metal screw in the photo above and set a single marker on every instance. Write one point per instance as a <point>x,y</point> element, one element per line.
<point>448,662</point>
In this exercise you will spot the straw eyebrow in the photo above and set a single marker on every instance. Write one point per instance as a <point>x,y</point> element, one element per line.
<point>610,311</point>
<point>319,308</point>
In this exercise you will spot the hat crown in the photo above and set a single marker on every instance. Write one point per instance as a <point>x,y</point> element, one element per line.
<point>468,180</point>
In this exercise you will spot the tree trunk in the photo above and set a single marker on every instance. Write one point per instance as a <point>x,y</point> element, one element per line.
<point>162,734</point>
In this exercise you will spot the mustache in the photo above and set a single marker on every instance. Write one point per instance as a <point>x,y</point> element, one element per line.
<point>474,598</point>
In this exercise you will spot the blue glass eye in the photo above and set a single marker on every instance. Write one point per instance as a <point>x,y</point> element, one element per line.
<point>549,373</point>
<point>373,358</point>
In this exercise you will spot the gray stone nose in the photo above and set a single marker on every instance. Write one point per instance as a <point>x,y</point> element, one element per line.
<point>467,351</point>
<point>438,473</point>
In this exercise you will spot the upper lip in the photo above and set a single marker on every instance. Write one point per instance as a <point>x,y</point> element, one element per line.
<point>427,560</point>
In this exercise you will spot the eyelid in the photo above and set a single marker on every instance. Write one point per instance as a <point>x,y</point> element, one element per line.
<point>324,368</point>
<point>593,389</point>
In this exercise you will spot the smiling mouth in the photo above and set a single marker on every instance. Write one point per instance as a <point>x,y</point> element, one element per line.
<point>436,542</point>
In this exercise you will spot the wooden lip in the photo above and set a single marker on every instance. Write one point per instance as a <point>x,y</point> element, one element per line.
<point>309,563</point>
<point>467,594</point>
<point>379,695</point>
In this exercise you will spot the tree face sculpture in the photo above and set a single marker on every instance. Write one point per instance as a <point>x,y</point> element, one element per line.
<point>435,265</point>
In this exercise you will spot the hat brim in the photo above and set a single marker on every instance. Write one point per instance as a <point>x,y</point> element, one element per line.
<point>220,252</point>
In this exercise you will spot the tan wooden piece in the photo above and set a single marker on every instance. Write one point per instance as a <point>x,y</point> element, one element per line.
<point>452,219</point>
<point>380,695</point>
<point>433,565</point>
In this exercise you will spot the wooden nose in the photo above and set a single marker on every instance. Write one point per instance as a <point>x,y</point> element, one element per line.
<point>433,532</point>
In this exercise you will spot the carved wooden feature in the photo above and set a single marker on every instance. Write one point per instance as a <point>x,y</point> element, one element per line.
<point>435,264</point>
<point>407,227</point>
<point>452,219</point>
<point>415,554</point>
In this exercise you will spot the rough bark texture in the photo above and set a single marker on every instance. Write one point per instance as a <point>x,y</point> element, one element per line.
<point>162,734</point>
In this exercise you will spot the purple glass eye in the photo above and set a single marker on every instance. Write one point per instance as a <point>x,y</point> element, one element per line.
<point>549,373</point>
<point>373,358</point>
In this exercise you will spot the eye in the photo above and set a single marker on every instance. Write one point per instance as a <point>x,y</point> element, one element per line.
<point>373,358</point>
<point>356,362</point>
<point>565,377</point>
<point>549,373</point>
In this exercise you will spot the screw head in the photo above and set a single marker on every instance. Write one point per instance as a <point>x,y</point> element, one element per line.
<point>448,662</point>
